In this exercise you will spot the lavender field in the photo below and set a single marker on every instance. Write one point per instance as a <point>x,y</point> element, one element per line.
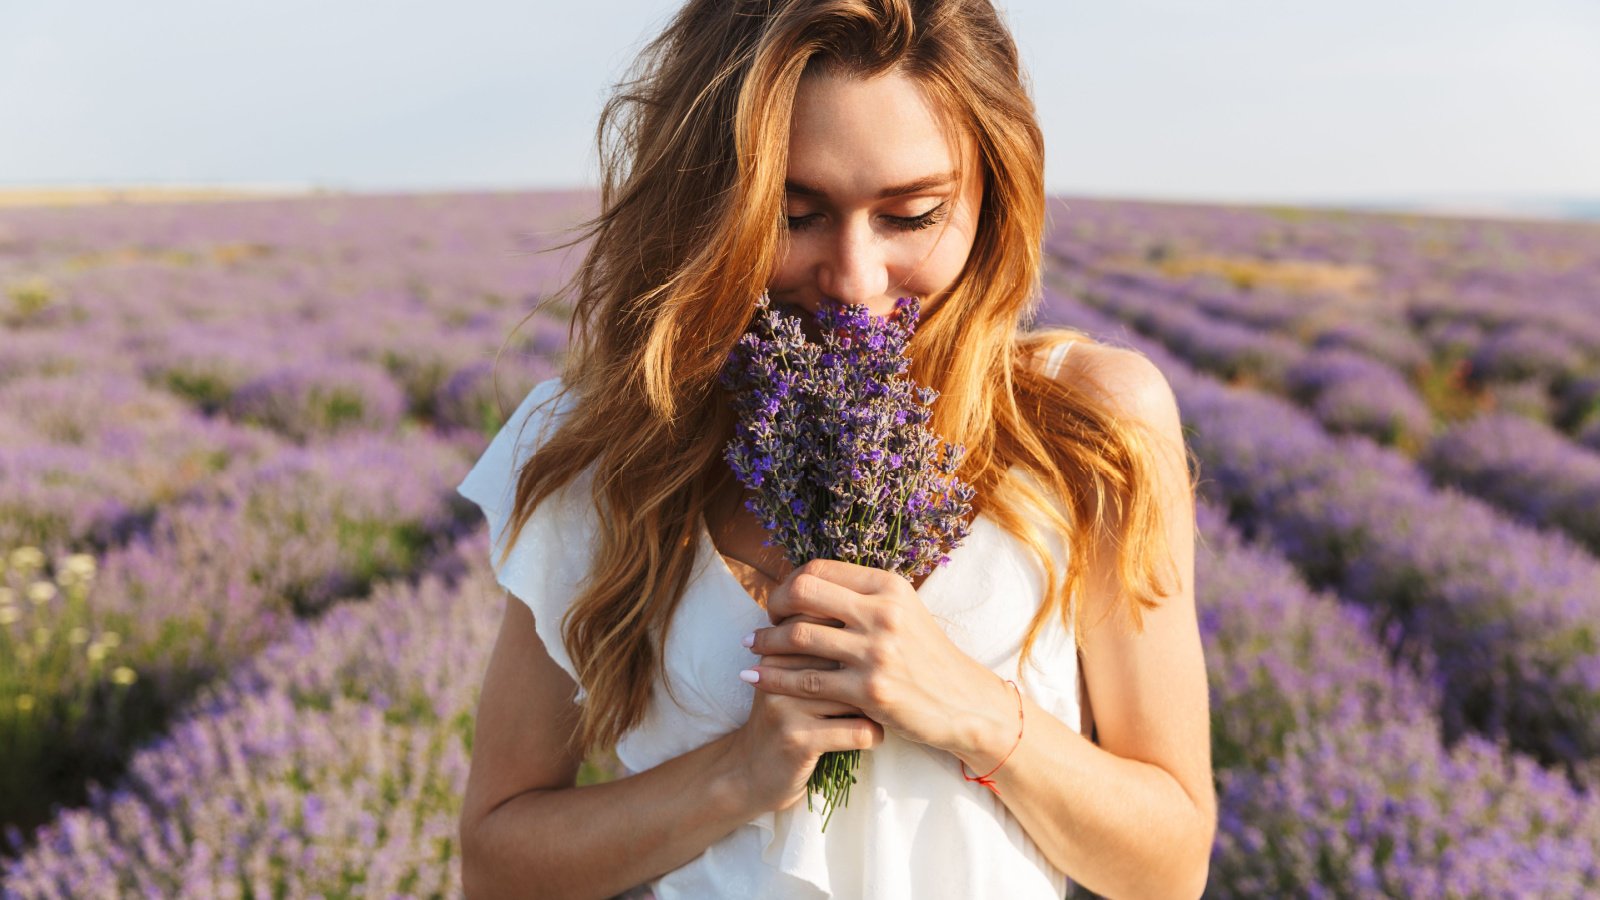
<point>244,615</point>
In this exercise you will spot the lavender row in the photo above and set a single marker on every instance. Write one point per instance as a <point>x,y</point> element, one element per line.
<point>1525,467</point>
<point>1232,351</point>
<point>1530,470</point>
<point>1418,294</point>
<point>87,459</point>
<point>1364,260</point>
<point>1332,776</point>
<point>1502,338</point>
<point>1508,612</point>
<point>1346,390</point>
<point>331,764</point>
<point>1555,338</point>
<point>432,376</point>
<point>219,329</point>
<point>209,582</point>
<point>210,299</point>
<point>1359,369</point>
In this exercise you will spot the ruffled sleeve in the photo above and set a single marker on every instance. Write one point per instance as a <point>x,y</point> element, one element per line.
<point>549,559</point>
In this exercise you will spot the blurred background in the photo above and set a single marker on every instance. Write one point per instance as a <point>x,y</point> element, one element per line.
<point>273,275</point>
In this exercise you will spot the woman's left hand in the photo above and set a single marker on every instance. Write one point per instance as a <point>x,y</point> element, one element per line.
<point>896,664</point>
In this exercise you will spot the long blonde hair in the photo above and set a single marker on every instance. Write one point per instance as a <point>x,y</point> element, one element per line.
<point>693,149</point>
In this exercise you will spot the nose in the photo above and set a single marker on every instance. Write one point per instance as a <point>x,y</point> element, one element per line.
<point>854,269</point>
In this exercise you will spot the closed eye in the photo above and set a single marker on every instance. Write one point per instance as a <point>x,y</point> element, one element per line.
<point>902,223</point>
<point>917,223</point>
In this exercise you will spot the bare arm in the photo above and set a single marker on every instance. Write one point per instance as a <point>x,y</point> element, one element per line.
<point>527,830</point>
<point>1136,815</point>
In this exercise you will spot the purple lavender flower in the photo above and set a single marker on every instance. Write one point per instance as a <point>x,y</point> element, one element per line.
<point>833,439</point>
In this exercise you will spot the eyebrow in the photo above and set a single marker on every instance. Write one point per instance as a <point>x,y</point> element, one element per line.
<point>925,183</point>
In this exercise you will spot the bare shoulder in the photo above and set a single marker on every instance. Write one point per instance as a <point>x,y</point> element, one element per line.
<point>1136,387</point>
<point>1147,685</point>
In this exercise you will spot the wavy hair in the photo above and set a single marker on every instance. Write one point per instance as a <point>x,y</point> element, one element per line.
<point>693,147</point>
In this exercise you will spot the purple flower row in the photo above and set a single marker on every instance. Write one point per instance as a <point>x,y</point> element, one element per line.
<point>353,384</point>
<point>1333,779</point>
<point>333,763</point>
<point>1232,351</point>
<point>215,577</point>
<point>86,459</point>
<point>1509,338</point>
<point>308,316</point>
<point>1550,482</point>
<point>1407,291</point>
<point>1515,463</point>
<point>1525,467</point>
<point>1344,389</point>
<point>1507,611</point>
<point>1348,391</point>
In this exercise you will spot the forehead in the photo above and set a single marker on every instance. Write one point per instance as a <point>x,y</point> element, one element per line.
<point>852,136</point>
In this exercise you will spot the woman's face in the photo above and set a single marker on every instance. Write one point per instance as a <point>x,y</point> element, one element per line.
<point>872,212</point>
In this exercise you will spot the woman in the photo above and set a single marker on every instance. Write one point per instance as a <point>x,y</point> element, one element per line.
<point>849,151</point>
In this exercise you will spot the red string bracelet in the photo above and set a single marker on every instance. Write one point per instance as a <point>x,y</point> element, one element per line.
<point>985,780</point>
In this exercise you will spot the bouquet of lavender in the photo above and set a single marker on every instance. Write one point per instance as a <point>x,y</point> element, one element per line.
<point>832,439</point>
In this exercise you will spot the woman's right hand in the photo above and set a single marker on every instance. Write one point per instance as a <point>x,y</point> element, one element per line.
<point>779,744</point>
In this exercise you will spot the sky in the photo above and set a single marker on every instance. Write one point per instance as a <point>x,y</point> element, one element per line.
<point>1241,100</point>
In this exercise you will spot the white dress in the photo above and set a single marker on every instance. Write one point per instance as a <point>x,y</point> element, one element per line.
<point>914,828</point>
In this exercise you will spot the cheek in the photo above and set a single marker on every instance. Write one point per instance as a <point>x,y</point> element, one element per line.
<point>792,267</point>
<point>936,262</point>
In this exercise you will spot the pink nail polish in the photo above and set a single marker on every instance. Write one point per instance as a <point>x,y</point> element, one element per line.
<point>748,640</point>
<point>750,675</point>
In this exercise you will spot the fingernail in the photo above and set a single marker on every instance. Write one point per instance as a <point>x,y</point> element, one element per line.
<point>750,675</point>
<point>749,640</point>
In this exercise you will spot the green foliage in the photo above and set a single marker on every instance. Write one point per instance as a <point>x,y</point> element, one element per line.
<point>206,390</point>
<point>64,685</point>
<point>1446,390</point>
<point>28,299</point>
